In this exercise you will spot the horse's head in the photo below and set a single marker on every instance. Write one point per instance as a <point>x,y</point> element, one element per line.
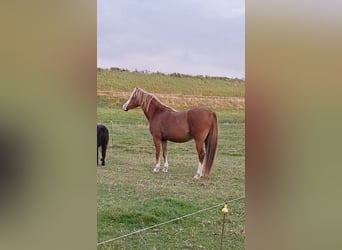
<point>132,101</point>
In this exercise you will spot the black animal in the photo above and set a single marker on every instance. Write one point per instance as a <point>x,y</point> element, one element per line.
<point>102,141</point>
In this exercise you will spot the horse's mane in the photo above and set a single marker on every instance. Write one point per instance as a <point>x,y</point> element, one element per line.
<point>146,98</point>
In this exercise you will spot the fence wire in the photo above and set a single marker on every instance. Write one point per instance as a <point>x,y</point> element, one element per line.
<point>166,222</point>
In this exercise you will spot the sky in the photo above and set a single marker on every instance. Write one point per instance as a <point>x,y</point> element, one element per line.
<point>195,37</point>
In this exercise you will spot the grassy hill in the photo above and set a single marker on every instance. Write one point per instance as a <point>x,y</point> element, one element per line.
<point>176,90</point>
<point>125,81</point>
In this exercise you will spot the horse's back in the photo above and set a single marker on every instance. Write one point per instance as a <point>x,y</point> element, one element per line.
<point>183,126</point>
<point>197,116</point>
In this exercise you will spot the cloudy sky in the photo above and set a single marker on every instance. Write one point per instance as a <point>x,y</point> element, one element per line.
<point>196,37</point>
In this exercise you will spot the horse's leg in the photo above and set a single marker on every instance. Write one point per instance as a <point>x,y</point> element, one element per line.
<point>97,156</point>
<point>166,164</point>
<point>103,149</point>
<point>157,146</point>
<point>201,155</point>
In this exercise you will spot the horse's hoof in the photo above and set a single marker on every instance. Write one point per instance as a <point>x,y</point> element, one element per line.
<point>165,170</point>
<point>197,176</point>
<point>155,170</point>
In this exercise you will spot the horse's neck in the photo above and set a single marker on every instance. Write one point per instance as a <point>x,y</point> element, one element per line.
<point>154,107</point>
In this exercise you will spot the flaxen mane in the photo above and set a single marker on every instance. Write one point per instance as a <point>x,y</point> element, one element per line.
<point>145,99</point>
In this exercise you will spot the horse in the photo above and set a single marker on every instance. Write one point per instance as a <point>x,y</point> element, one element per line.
<point>102,141</point>
<point>167,124</point>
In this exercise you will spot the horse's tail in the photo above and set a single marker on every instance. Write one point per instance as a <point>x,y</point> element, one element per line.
<point>211,145</point>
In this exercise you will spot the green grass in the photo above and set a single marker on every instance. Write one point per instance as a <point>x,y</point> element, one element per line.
<point>132,197</point>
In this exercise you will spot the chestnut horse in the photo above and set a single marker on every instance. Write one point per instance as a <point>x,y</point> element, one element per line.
<point>168,124</point>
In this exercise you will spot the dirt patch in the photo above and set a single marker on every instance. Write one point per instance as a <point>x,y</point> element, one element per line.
<point>186,101</point>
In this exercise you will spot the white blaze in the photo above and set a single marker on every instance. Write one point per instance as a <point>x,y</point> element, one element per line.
<point>124,107</point>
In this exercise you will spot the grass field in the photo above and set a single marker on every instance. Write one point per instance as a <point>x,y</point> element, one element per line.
<point>131,197</point>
